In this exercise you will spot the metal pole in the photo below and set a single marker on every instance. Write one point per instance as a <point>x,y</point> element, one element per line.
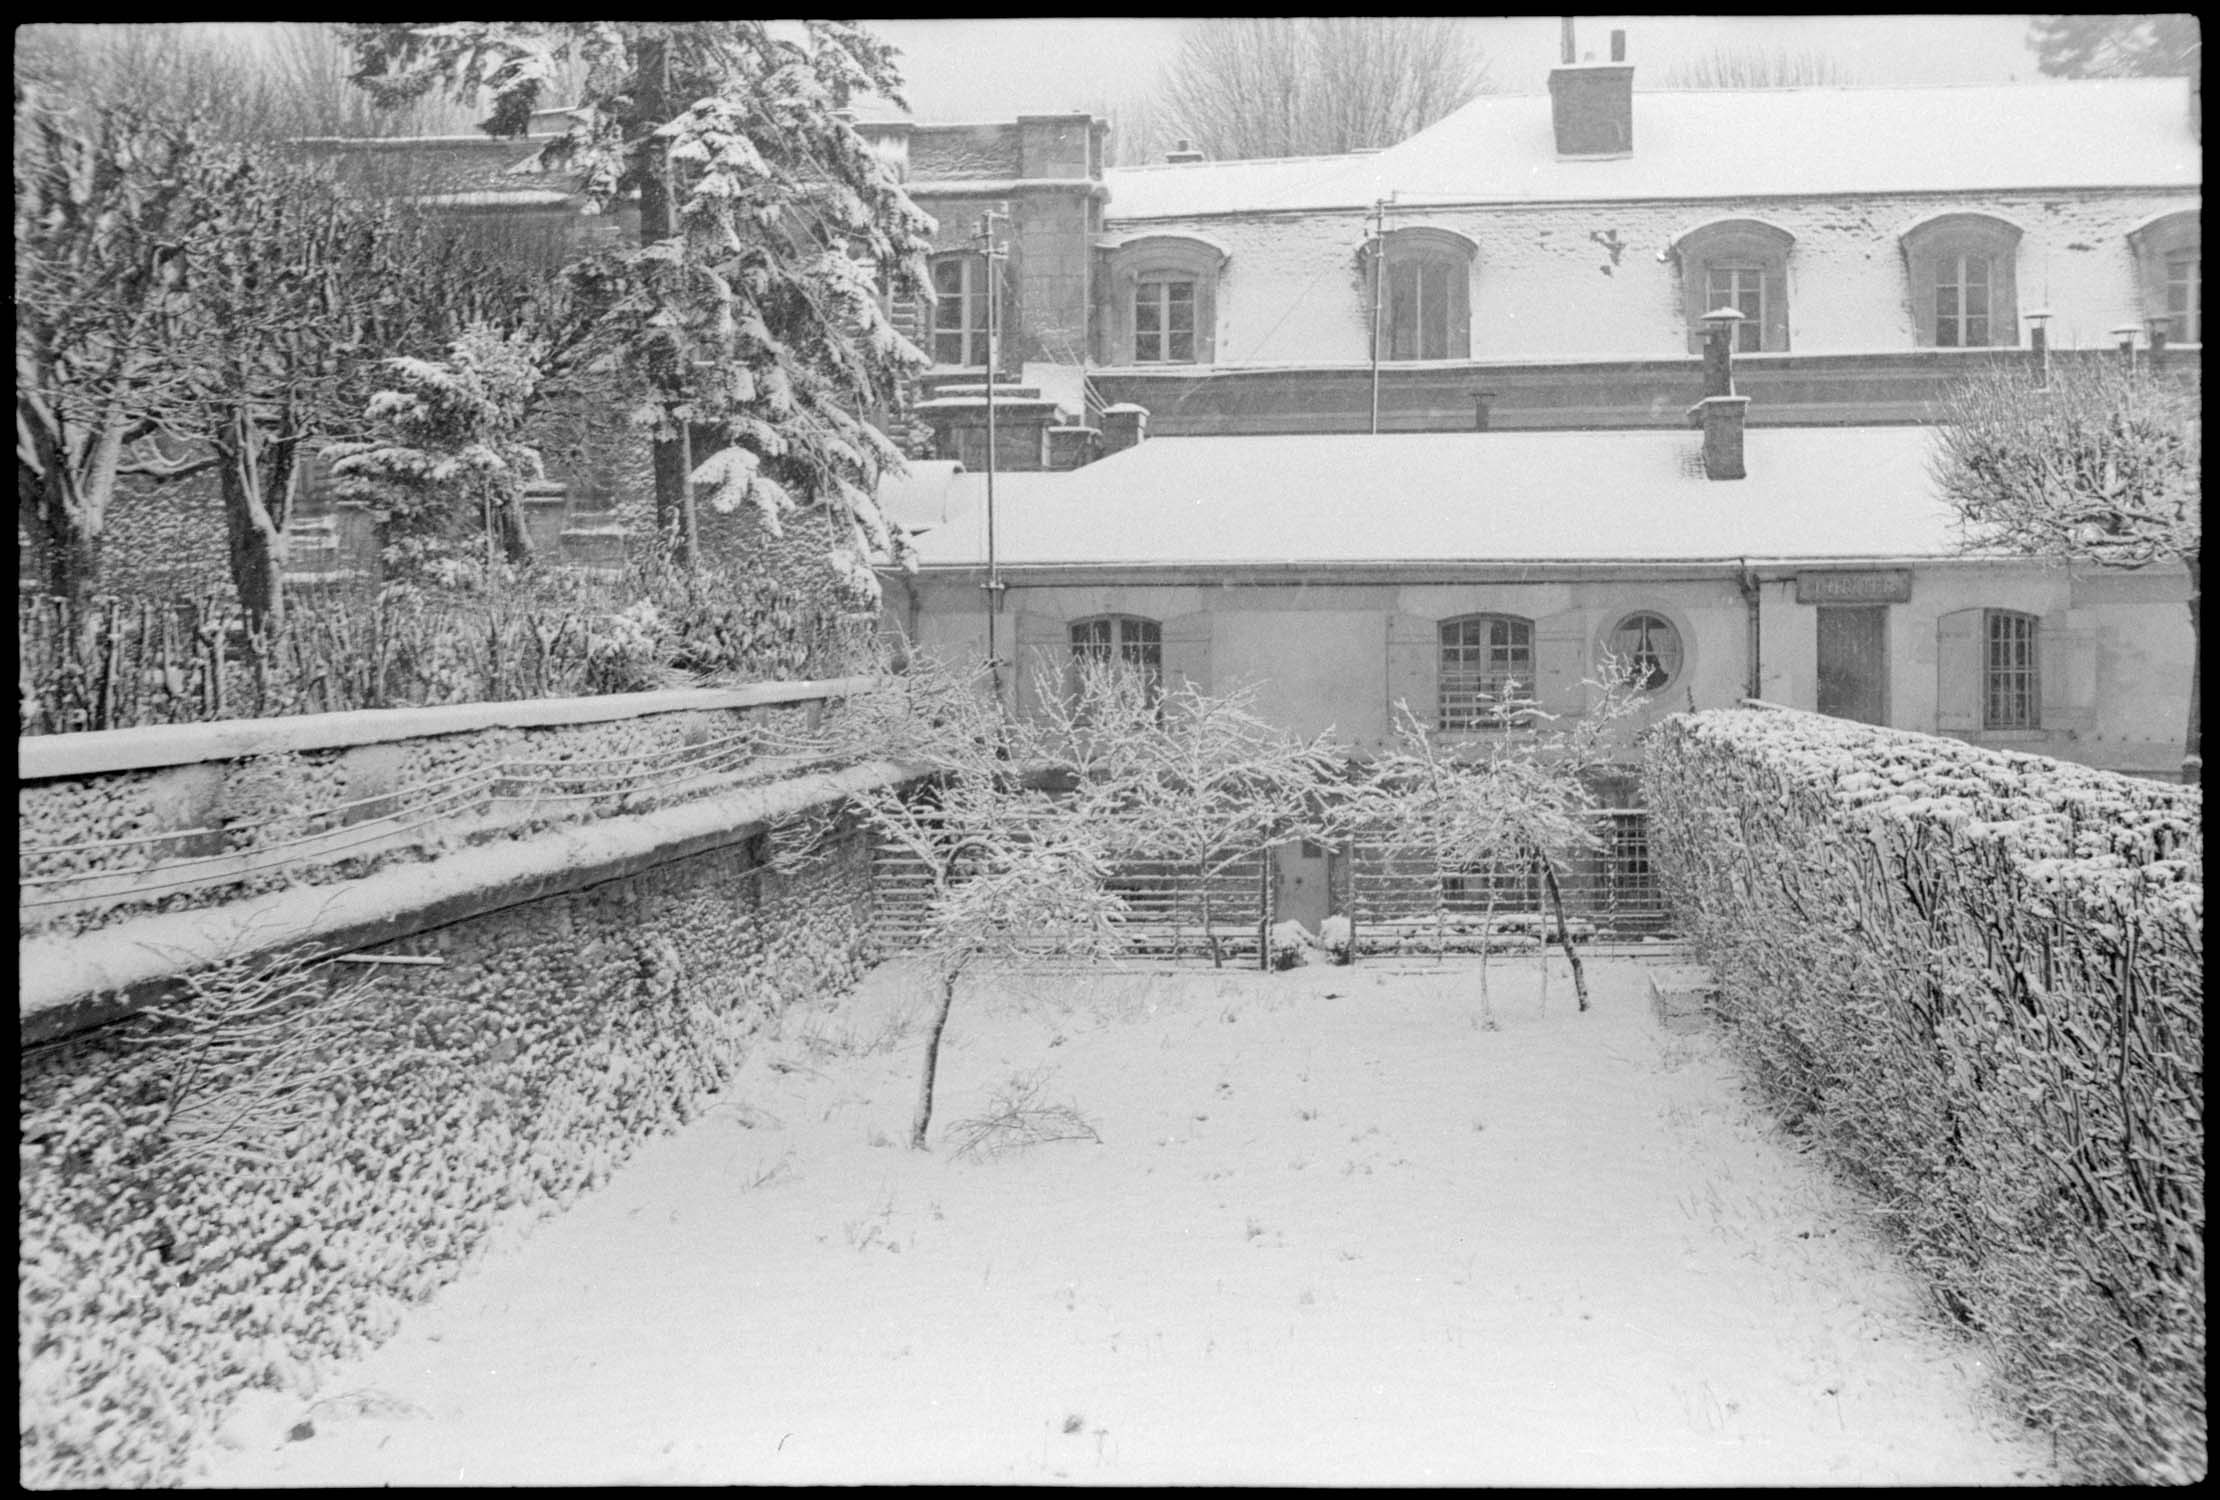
<point>994,574</point>
<point>1379,258</point>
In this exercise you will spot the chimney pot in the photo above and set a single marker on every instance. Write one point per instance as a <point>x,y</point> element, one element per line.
<point>1618,46</point>
<point>1565,53</point>
<point>1183,151</point>
<point>1719,325</point>
<point>1721,418</point>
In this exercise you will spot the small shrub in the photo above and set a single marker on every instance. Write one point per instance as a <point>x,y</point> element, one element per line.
<point>1018,1117</point>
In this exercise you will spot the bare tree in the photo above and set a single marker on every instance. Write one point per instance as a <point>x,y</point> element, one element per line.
<point>2087,461</point>
<point>1758,68</point>
<point>1261,86</point>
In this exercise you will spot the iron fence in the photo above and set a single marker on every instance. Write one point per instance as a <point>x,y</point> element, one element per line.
<point>1407,905</point>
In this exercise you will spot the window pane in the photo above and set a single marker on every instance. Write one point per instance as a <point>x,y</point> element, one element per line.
<point>1977,332</point>
<point>1180,295</point>
<point>1402,310</point>
<point>1946,300</point>
<point>1977,272</point>
<point>1179,346</point>
<point>1434,310</point>
<point>2011,690</point>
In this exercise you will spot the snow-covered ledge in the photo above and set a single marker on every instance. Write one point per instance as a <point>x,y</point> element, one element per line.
<point>101,751</point>
<point>68,983</point>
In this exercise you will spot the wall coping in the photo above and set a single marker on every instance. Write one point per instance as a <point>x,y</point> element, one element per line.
<point>102,751</point>
<point>68,983</point>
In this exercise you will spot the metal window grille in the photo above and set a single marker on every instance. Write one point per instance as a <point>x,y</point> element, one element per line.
<point>2011,685</point>
<point>1481,657</point>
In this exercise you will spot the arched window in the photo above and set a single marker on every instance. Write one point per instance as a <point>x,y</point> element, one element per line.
<point>1738,263</point>
<point>1162,298</point>
<point>1649,646</point>
<point>1424,291</point>
<point>1483,658</point>
<point>1963,270</point>
<point>960,310</point>
<point>2169,262</point>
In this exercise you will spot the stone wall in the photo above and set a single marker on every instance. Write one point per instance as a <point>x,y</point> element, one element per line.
<point>394,1120</point>
<point>1591,281</point>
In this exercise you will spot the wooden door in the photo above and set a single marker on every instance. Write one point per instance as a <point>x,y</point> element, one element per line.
<point>1854,662</point>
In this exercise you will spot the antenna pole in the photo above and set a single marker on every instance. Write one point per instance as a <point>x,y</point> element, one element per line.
<point>995,252</point>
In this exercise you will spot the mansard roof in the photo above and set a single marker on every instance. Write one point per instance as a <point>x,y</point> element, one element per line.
<point>1728,143</point>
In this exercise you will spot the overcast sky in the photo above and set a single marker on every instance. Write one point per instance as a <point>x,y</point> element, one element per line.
<point>994,69</point>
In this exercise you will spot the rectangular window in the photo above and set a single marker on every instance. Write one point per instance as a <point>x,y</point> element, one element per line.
<point>1420,308</point>
<point>1137,642</point>
<point>1962,302</point>
<point>1743,289</point>
<point>1481,659</point>
<point>960,310</point>
<point>2185,297</point>
<point>1164,322</point>
<point>2011,688</point>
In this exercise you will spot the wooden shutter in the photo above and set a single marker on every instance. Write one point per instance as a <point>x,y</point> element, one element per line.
<point>1561,662</point>
<point>1775,337</point>
<point>1460,310</point>
<point>1187,651</point>
<point>1920,265</point>
<point>1958,646</point>
<point>2066,656</point>
<point>1206,319</point>
<point>1040,650</point>
<point>1413,668</point>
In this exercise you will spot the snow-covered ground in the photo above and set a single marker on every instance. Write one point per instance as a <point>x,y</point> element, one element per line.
<point>1335,1230</point>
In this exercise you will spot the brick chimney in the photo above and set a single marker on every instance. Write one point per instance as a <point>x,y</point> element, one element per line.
<point>1721,412</point>
<point>1592,104</point>
<point>1183,151</point>
<point>1123,426</point>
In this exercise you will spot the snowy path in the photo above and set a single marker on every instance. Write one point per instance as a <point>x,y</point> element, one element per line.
<point>1335,1232</point>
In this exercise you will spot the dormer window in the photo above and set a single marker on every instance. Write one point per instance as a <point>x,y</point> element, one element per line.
<point>1161,299</point>
<point>1962,269</point>
<point>1737,263</point>
<point>1424,290</point>
<point>2169,262</point>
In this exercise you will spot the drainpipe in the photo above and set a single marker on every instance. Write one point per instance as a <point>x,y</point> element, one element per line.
<point>1750,598</point>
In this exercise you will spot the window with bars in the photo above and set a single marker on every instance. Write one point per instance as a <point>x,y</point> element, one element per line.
<point>1649,646</point>
<point>2011,682</point>
<point>1482,657</point>
<point>1164,321</point>
<point>1741,287</point>
<point>1962,286</point>
<point>2185,297</point>
<point>960,310</point>
<point>1137,642</point>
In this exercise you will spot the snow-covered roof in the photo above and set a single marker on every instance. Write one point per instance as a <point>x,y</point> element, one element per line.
<point>1729,143</point>
<point>1634,496</point>
<point>919,498</point>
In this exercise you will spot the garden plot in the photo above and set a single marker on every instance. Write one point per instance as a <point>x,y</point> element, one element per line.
<point>1323,1227</point>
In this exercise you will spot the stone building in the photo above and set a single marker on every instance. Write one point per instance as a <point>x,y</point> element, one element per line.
<point>1396,425</point>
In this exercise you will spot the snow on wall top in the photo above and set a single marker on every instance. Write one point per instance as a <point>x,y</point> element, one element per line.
<point>1729,143</point>
<point>1623,496</point>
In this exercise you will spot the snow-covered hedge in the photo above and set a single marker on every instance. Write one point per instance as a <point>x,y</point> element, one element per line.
<point>1977,979</point>
<point>233,1196</point>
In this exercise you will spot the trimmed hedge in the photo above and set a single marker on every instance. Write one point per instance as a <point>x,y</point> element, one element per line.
<point>1976,979</point>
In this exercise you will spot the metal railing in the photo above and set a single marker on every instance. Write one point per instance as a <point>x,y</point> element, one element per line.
<point>1395,905</point>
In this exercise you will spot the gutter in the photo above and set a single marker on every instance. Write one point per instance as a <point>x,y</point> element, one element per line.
<point>1751,597</point>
